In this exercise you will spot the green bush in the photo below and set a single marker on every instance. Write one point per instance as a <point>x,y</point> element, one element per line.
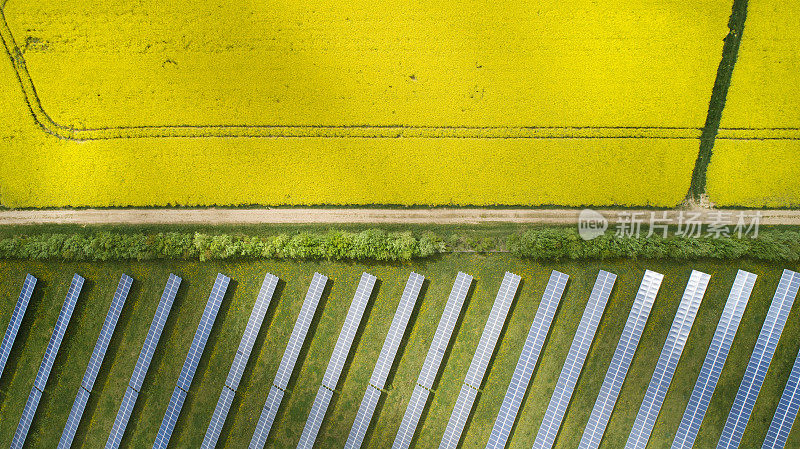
<point>565,243</point>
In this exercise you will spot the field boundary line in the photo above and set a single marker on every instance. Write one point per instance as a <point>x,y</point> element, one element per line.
<point>45,122</point>
<point>214,216</point>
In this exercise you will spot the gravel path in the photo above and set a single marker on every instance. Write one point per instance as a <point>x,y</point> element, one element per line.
<point>368,216</point>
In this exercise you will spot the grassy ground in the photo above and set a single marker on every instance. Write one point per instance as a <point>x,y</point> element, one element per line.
<point>198,277</point>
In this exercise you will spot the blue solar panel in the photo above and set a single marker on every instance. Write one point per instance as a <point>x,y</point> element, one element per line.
<point>408,426</point>
<point>433,360</point>
<point>267,417</point>
<point>668,361</point>
<point>623,356</point>
<point>348,332</point>
<point>203,330</point>
<point>385,360</point>
<point>786,412</point>
<point>251,331</point>
<point>523,372</point>
<point>300,330</point>
<point>315,418</point>
<point>106,332</point>
<point>715,360</point>
<point>480,361</point>
<point>335,365</point>
<point>74,419</point>
<point>58,332</point>
<point>192,360</point>
<point>444,331</point>
<point>27,418</point>
<point>240,360</point>
<point>142,364</point>
<point>288,361</point>
<point>154,334</point>
<point>123,416</point>
<point>364,416</point>
<point>16,319</point>
<point>458,419</point>
<point>170,418</point>
<point>759,361</point>
<point>396,330</point>
<point>218,418</point>
<point>47,362</point>
<point>584,336</point>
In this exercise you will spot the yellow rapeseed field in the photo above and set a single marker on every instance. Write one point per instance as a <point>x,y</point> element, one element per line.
<point>321,102</point>
<point>763,103</point>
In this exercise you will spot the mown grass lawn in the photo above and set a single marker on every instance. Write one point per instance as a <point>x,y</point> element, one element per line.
<point>150,277</point>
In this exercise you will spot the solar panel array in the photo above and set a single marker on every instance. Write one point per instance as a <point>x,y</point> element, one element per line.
<point>523,372</point>
<point>385,360</point>
<point>240,360</point>
<point>16,319</point>
<point>192,360</point>
<point>786,412</point>
<point>340,352</point>
<point>573,365</point>
<point>621,362</point>
<point>480,361</point>
<point>286,367</point>
<point>47,362</point>
<point>98,354</point>
<point>668,361</point>
<point>315,418</point>
<point>759,361</point>
<point>143,363</point>
<point>433,360</point>
<point>715,360</point>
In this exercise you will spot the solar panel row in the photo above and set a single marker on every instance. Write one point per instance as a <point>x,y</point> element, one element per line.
<point>786,412</point>
<point>458,419</point>
<point>74,419</point>
<point>267,418</point>
<point>348,332</point>
<point>668,361</point>
<point>203,331</point>
<point>18,441</point>
<point>715,360</point>
<point>430,367</point>
<point>58,332</point>
<point>240,360</point>
<point>154,333</point>
<point>192,360</point>
<point>759,361</point>
<point>363,418</point>
<point>96,360</point>
<point>47,362</point>
<point>16,319</point>
<point>286,367</point>
<point>315,418</point>
<point>480,361</point>
<point>385,360</point>
<point>576,356</point>
<point>218,418</point>
<point>122,418</point>
<point>300,330</point>
<point>143,362</point>
<point>338,358</point>
<point>170,418</point>
<point>501,431</point>
<point>396,330</point>
<point>491,332</point>
<point>444,331</point>
<point>621,361</point>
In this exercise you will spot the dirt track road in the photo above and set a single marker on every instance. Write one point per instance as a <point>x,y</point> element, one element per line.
<point>369,216</point>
